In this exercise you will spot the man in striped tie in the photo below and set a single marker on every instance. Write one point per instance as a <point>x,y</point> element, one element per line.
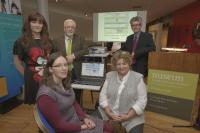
<point>139,45</point>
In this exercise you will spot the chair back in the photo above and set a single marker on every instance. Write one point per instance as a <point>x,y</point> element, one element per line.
<point>41,121</point>
<point>197,124</point>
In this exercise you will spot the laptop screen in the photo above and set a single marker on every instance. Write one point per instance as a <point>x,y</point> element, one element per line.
<point>92,69</point>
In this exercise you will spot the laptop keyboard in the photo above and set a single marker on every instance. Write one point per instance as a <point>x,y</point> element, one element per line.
<point>89,82</point>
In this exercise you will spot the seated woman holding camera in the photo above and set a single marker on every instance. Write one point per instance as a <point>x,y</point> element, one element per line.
<point>56,101</point>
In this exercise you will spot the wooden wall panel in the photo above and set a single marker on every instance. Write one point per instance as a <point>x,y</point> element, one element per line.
<point>179,62</point>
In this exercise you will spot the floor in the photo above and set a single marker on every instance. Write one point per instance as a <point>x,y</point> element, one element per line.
<point>21,120</point>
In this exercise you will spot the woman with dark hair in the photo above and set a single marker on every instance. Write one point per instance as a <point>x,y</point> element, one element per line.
<point>56,101</point>
<point>31,52</point>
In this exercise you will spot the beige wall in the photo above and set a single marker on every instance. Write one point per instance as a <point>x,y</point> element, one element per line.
<point>57,17</point>
<point>156,31</point>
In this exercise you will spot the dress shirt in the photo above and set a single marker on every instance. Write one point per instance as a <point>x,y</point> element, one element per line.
<point>137,35</point>
<point>121,87</point>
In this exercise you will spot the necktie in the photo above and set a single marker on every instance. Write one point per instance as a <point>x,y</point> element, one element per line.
<point>135,43</point>
<point>69,52</point>
<point>69,47</point>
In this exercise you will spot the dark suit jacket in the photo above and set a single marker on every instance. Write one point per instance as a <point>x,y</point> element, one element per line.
<point>145,45</point>
<point>79,48</point>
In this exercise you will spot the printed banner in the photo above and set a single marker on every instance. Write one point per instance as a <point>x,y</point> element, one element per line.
<point>172,93</point>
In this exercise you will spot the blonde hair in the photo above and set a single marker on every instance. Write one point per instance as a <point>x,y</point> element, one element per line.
<point>121,55</point>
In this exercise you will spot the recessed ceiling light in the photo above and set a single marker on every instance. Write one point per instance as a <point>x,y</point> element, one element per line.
<point>85,14</point>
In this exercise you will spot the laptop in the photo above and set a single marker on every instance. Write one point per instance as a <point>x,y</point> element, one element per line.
<point>92,73</point>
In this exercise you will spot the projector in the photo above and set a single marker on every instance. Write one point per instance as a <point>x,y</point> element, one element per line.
<point>97,50</point>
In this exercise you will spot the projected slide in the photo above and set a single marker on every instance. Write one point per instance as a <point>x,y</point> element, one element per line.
<point>114,26</point>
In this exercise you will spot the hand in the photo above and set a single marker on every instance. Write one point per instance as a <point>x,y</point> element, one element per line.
<point>131,113</point>
<point>132,54</point>
<point>90,124</point>
<point>84,126</point>
<point>110,52</point>
<point>114,117</point>
<point>41,72</point>
<point>110,114</point>
<point>124,117</point>
<point>70,58</point>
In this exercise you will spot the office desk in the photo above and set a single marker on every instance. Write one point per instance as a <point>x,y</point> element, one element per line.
<point>86,87</point>
<point>82,87</point>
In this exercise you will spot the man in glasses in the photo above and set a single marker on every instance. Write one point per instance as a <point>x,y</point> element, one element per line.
<point>139,44</point>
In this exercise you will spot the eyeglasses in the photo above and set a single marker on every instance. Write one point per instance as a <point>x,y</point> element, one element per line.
<point>61,66</point>
<point>134,25</point>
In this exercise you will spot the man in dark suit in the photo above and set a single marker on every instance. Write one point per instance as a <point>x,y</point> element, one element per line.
<point>139,45</point>
<point>74,46</point>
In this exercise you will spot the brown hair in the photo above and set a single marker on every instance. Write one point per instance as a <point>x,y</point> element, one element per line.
<point>137,18</point>
<point>27,38</point>
<point>121,55</point>
<point>47,78</point>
